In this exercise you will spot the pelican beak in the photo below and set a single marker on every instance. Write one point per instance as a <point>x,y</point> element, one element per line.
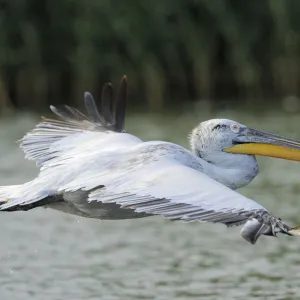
<point>255,142</point>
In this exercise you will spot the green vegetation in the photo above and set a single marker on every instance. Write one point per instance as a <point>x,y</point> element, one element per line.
<point>171,50</point>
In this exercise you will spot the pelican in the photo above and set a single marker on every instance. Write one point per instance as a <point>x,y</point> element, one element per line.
<point>91,167</point>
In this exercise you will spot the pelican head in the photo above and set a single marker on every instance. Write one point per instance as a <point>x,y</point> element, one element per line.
<point>230,145</point>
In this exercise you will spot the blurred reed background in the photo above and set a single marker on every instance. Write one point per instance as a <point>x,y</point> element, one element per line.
<point>172,51</point>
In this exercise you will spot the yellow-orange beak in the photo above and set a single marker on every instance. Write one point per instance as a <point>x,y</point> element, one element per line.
<point>255,142</point>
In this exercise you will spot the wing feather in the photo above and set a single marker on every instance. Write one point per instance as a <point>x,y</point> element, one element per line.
<point>149,177</point>
<point>111,117</point>
<point>176,192</point>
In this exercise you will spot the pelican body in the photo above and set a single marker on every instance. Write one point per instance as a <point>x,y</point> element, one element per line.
<point>89,166</point>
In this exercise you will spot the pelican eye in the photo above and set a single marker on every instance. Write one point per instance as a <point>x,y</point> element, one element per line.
<point>235,128</point>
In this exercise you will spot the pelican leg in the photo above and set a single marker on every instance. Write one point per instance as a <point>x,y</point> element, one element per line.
<point>264,224</point>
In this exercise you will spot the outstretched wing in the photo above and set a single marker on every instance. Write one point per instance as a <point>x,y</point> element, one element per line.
<point>177,192</point>
<point>110,117</point>
<point>152,177</point>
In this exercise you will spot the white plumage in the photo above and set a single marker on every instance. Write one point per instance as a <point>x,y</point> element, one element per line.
<point>90,167</point>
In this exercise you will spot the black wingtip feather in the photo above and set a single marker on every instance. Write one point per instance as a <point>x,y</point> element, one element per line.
<point>107,103</point>
<point>112,109</point>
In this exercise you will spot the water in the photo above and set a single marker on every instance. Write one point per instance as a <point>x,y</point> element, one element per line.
<point>48,255</point>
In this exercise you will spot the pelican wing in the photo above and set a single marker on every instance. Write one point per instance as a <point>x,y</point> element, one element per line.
<point>151,177</point>
<point>177,192</point>
<point>156,178</point>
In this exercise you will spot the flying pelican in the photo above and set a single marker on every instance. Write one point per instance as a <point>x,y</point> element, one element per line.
<point>89,166</point>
